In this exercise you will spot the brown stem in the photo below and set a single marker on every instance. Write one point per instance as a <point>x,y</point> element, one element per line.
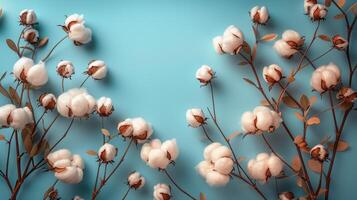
<point>177,186</point>
<point>18,158</point>
<point>212,97</point>
<point>64,135</point>
<point>53,48</point>
<point>320,179</point>
<point>253,186</point>
<point>84,81</point>
<point>126,193</point>
<point>97,177</point>
<point>205,131</point>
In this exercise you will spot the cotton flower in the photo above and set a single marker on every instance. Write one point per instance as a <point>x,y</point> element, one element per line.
<point>162,192</point>
<point>217,166</point>
<point>159,155</point>
<point>68,168</point>
<point>76,29</point>
<point>346,95</point>
<point>231,42</point>
<point>104,106</point>
<point>217,44</point>
<point>135,180</point>
<point>75,103</point>
<point>65,69</point>
<point>5,112</point>
<point>47,101</point>
<point>125,128</point>
<point>262,119</point>
<point>319,152</point>
<point>259,15</point>
<point>195,117</point>
<point>31,35</point>
<point>289,44</point>
<point>97,69</point>
<point>25,71</point>
<point>107,153</point>
<point>264,166</point>
<point>318,12</point>
<point>28,17</point>
<point>325,77</point>
<point>339,42</point>
<point>272,74</point>
<point>286,196</point>
<point>308,4</point>
<point>204,74</point>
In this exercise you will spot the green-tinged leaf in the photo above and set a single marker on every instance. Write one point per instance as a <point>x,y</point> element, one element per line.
<point>91,152</point>
<point>11,44</point>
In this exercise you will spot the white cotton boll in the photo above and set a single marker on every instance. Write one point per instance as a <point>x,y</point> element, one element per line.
<point>141,130</point>
<point>214,178</point>
<point>264,120</point>
<point>79,105</point>
<point>28,17</point>
<point>62,154</point>
<point>248,122</point>
<point>37,75</point>
<point>136,181</point>
<point>207,153</point>
<point>80,34</point>
<point>284,49</point>
<point>155,144</point>
<point>224,165</point>
<point>316,81</point>
<point>308,4</point>
<point>259,15</point>
<point>217,44</point>
<point>329,77</point>
<point>145,151</point>
<point>250,167</point>
<point>332,67</point>
<point>275,165</point>
<point>59,165</point>
<point>162,192</point>
<point>171,147</point>
<point>158,159</point>
<point>220,152</point>
<point>20,117</point>
<point>107,152</point>
<point>97,69</point>
<point>291,35</point>
<point>65,69</point>
<point>77,161</point>
<point>204,74</point>
<point>21,67</point>
<point>71,175</point>
<point>262,157</point>
<point>232,40</point>
<point>5,112</point>
<point>47,101</point>
<point>272,73</point>
<point>232,30</point>
<point>276,119</point>
<point>63,104</point>
<point>325,77</point>
<point>204,167</point>
<point>318,12</point>
<point>259,170</point>
<point>75,103</point>
<point>125,128</point>
<point>73,19</point>
<point>104,106</point>
<point>31,35</point>
<point>195,117</point>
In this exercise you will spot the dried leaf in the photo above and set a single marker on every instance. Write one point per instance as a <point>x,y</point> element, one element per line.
<point>341,146</point>
<point>339,16</point>
<point>233,135</point>
<point>341,3</point>
<point>295,163</point>
<point>269,37</point>
<point>28,143</point>
<point>35,150</point>
<point>12,45</point>
<point>325,37</point>
<point>290,102</point>
<point>202,196</point>
<point>312,100</point>
<point>313,120</point>
<point>91,152</point>
<point>243,63</point>
<point>299,116</point>
<point>291,78</point>
<point>321,191</point>
<point>250,82</point>
<point>314,165</point>
<point>2,137</point>
<point>43,42</point>
<point>105,132</point>
<point>264,102</point>
<point>3,91</point>
<point>246,47</point>
<point>254,53</point>
<point>353,8</point>
<point>304,101</point>
<point>14,96</point>
<point>328,3</point>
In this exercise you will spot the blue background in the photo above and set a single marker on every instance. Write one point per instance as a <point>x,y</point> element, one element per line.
<point>152,49</point>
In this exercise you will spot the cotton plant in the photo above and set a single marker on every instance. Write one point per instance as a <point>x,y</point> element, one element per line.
<point>270,117</point>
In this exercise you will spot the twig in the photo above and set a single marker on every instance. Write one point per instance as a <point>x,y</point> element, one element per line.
<point>53,48</point>
<point>177,186</point>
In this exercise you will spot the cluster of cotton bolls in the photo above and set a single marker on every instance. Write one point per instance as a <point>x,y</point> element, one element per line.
<point>264,166</point>
<point>162,192</point>
<point>314,10</point>
<point>77,31</point>
<point>289,44</point>
<point>217,166</point>
<point>136,128</point>
<point>159,155</point>
<point>230,42</point>
<point>28,19</point>
<point>325,77</point>
<point>67,168</point>
<point>262,119</point>
<point>26,71</point>
<point>17,118</point>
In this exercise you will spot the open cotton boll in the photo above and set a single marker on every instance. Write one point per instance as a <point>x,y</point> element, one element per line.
<point>232,40</point>
<point>284,49</point>
<point>107,153</point>
<point>259,15</point>
<point>73,19</point>
<point>65,69</point>
<point>79,105</point>
<point>220,152</point>
<point>264,120</point>
<point>104,106</point>
<point>259,171</point>
<point>141,130</point>
<point>71,175</point>
<point>27,17</point>
<point>325,77</point>
<point>75,103</point>
<point>47,101</point>
<point>20,117</point>
<point>171,148</point>
<point>207,153</point>
<point>5,112</point>
<point>162,192</point>
<point>339,42</point>
<point>59,155</point>
<point>31,35</point>
<point>224,165</point>
<point>204,167</point>
<point>275,165</point>
<point>77,161</point>
<point>318,12</point>
<point>158,159</point>
<point>308,4</point>
<point>195,117</point>
<point>21,67</point>
<point>136,181</point>
<point>291,36</point>
<point>145,151</point>
<point>214,178</point>
<point>125,128</point>
<point>80,34</point>
<point>97,69</point>
<point>37,75</point>
<point>204,74</point>
<point>247,122</point>
<point>217,44</point>
<point>272,73</point>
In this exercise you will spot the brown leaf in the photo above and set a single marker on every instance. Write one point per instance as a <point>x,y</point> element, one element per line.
<point>2,137</point>
<point>341,3</point>
<point>91,152</point>
<point>28,143</point>
<point>314,165</point>
<point>3,91</point>
<point>321,191</point>
<point>328,3</point>
<point>291,78</point>
<point>339,16</point>
<point>290,102</point>
<point>312,100</point>
<point>250,82</point>
<point>295,163</point>
<point>246,47</point>
<point>243,63</point>
<point>43,42</point>
<point>105,132</point>
<point>202,196</point>
<point>12,45</point>
<point>313,120</point>
<point>233,135</point>
<point>341,146</point>
<point>269,37</point>
<point>353,8</point>
<point>35,150</point>
<point>299,116</point>
<point>264,103</point>
<point>304,101</point>
<point>14,96</point>
<point>325,37</point>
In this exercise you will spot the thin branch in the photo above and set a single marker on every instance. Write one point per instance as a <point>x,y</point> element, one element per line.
<point>177,186</point>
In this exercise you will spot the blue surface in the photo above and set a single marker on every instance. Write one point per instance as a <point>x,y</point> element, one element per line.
<point>153,49</point>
